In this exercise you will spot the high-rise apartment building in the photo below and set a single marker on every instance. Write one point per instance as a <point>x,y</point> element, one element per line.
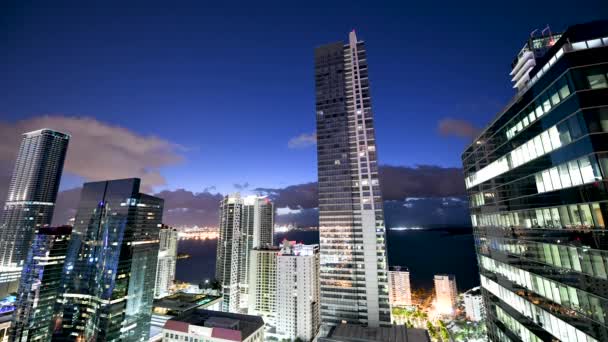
<point>399,289</point>
<point>446,293</point>
<point>167,259</point>
<point>111,263</point>
<point>245,223</point>
<point>354,274</point>
<point>262,294</point>
<point>297,297</point>
<point>536,179</point>
<point>30,201</point>
<point>39,285</point>
<point>473,304</point>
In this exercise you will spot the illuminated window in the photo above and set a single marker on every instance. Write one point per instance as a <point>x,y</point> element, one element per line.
<point>564,91</point>
<point>597,81</point>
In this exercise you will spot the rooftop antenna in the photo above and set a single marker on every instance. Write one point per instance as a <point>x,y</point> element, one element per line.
<point>532,33</point>
<point>550,35</point>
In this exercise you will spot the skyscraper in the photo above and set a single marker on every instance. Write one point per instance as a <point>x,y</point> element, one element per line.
<point>110,267</point>
<point>297,298</point>
<point>263,283</point>
<point>446,293</point>
<point>536,180</point>
<point>354,283</point>
<point>245,223</point>
<point>167,259</point>
<point>399,286</point>
<point>30,201</point>
<point>39,285</point>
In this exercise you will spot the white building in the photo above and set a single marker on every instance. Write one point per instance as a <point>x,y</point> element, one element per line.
<point>245,223</point>
<point>399,289</point>
<point>473,305</point>
<point>297,308</point>
<point>167,259</point>
<point>263,283</point>
<point>446,293</point>
<point>213,326</point>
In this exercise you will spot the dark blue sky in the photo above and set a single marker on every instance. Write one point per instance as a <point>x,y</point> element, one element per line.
<point>233,82</point>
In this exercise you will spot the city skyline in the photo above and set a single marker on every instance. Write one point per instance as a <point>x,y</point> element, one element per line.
<point>92,237</point>
<point>188,159</point>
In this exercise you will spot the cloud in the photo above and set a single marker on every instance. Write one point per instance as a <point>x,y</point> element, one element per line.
<point>287,211</point>
<point>458,128</point>
<point>97,150</point>
<point>241,187</point>
<point>400,182</point>
<point>294,196</point>
<point>202,208</point>
<point>303,140</point>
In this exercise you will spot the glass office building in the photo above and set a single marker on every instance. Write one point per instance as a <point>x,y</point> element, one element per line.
<point>30,201</point>
<point>354,274</point>
<point>39,285</point>
<point>111,264</point>
<point>536,179</point>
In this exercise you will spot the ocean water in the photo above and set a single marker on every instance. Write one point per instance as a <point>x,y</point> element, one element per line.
<point>425,252</point>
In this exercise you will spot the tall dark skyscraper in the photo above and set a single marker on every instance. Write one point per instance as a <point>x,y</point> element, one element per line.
<point>111,264</point>
<point>354,272</point>
<point>537,184</point>
<point>39,285</point>
<point>30,201</point>
<point>245,223</point>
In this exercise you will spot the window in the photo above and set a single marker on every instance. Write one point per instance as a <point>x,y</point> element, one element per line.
<point>564,176</point>
<point>575,173</point>
<point>586,170</point>
<point>539,111</point>
<point>555,98</point>
<point>547,181</point>
<point>564,91</point>
<point>564,133</point>
<point>597,81</point>
<point>554,135</point>
<point>579,46</point>
<point>546,105</point>
<point>594,43</point>
<point>546,141</point>
<point>555,178</point>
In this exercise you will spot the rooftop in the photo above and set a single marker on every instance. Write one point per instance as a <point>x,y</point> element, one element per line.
<point>229,326</point>
<point>182,302</point>
<point>358,333</point>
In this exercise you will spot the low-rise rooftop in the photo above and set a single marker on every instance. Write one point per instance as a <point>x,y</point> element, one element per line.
<point>359,333</point>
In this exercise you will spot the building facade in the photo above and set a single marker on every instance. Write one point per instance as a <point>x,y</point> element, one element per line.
<point>245,223</point>
<point>446,293</point>
<point>31,199</point>
<point>354,272</point>
<point>110,267</point>
<point>263,283</point>
<point>167,259</point>
<point>536,179</point>
<point>40,284</point>
<point>399,289</point>
<point>214,326</point>
<point>7,310</point>
<point>297,297</point>
<point>473,304</point>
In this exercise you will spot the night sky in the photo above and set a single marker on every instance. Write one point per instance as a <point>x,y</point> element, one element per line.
<point>225,86</point>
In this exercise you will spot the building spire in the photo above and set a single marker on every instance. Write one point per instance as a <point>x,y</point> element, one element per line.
<point>352,38</point>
